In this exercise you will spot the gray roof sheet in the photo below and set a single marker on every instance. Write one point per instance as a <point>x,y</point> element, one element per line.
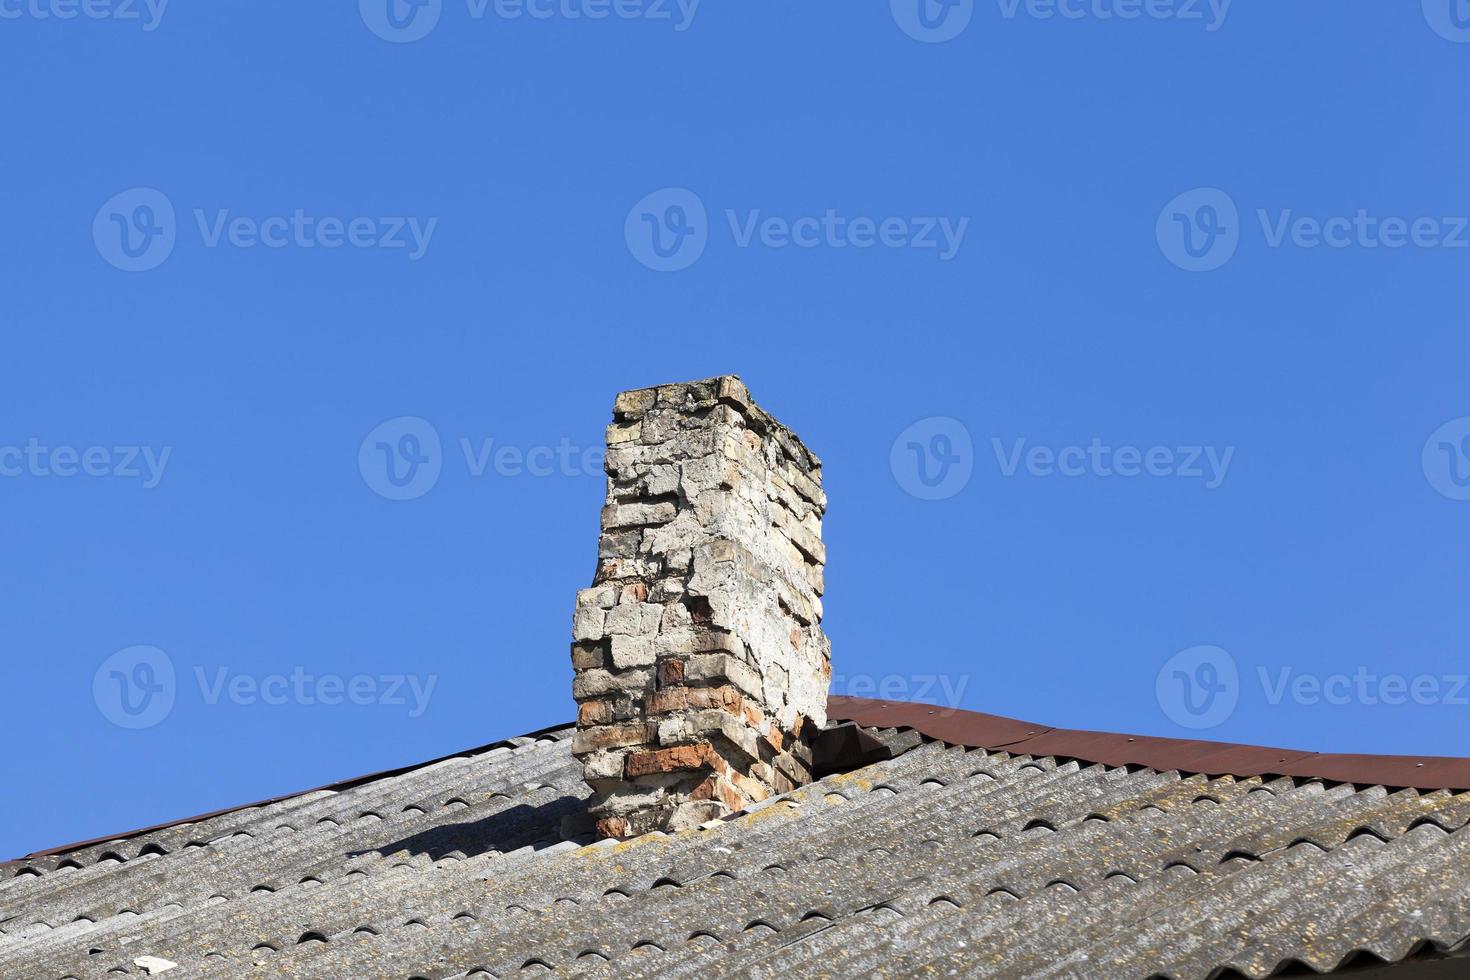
<point>947,860</point>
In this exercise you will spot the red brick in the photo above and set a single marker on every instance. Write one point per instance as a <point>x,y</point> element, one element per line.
<point>715,788</point>
<point>612,736</point>
<point>668,699</point>
<point>612,827</point>
<point>725,697</point>
<point>752,788</point>
<point>679,758</point>
<point>773,737</point>
<point>670,672</point>
<point>594,713</point>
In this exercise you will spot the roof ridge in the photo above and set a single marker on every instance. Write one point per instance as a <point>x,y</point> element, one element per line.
<point>975,729</point>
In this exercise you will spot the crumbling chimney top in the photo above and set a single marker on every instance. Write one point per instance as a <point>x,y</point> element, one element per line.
<point>701,665</point>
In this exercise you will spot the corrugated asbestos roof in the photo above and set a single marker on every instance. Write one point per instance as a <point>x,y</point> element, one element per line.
<point>947,859</point>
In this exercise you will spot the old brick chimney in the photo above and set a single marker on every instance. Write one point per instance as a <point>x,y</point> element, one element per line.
<point>701,665</point>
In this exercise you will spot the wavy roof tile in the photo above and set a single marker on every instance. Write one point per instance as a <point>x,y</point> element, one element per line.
<point>984,847</point>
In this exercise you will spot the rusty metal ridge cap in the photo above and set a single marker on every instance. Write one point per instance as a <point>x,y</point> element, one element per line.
<point>974,729</point>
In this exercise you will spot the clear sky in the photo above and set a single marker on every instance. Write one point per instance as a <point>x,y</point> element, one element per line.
<point>1133,335</point>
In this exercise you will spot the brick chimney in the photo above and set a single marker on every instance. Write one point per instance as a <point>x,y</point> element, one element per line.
<point>701,665</point>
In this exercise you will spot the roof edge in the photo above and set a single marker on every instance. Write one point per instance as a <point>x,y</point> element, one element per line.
<point>993,732</point>
<point>336,787</point>
<point>997,733</point>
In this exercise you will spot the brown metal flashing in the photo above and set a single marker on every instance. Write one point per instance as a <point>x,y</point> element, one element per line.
<point>1412,772</point>
<point>1163,754</point>
<point>970,728</point>
<point>975,729</point>
<point>945,724</point>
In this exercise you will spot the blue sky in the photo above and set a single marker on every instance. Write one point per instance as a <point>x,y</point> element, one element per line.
<point>1135,347</point>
